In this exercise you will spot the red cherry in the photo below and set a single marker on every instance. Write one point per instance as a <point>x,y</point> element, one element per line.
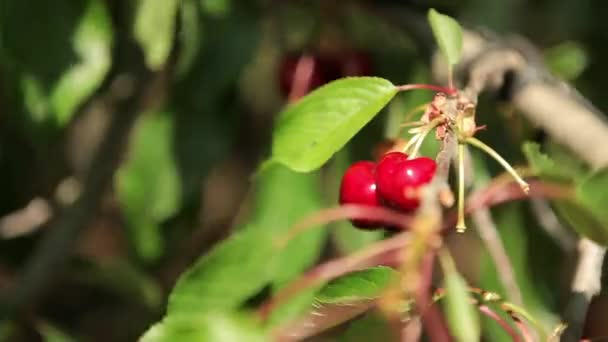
<point>287,73</point>
<point>399,179</point>
<point>357,63</point>
<point>359,187</point>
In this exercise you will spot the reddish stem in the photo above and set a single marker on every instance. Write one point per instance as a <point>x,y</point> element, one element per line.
<point>498,193</point>
<point>504,325</point>
<point>385,252</point>
<point>523,328</point>
<point>432,319</point>
<point>447,90</point>
<point>347,211</point>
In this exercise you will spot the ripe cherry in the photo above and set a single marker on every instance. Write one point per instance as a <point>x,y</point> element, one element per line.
<point>399,179</point>
<point>357,63</point>
<point>359,187</point>
<point>287,73</point>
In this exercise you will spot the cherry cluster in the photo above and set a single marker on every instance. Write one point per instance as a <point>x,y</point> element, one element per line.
<point>393,182</point>
<point>324,68</point>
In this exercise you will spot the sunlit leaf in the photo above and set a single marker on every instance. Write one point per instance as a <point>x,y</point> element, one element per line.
<point>213,326</point>
<point>154,29</point>
<point>567,60</point>
<point>148,183</point>
<point>283,197</point>
<point>61,51</point>
<point>310,131</point>
<point>359,285</point>
<point>92,43</point>
<point>448,35</point>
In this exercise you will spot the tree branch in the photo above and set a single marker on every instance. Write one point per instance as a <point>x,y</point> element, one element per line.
<point>585,285</point>
<point>62,234</point>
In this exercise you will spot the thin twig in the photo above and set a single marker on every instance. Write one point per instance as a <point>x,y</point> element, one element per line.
<point>504,325</point>
<point>377,253</point>
<point>25,220</point>
<point>488,232</point>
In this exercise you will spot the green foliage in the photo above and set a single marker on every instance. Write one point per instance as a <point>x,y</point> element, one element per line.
<point>591,193</point>
<point>448,35</point>
<point>567,60</point>
<point>148,184</point>
<point>53,334</point>
<point>543,166</point>
<point>255,253</point>
<point>154,28</point>
<point>212,326</point>
<point>461,313</point>
<point>359,285</point>
<point>68,64</point>
<point>584,212</point>
<point>372,327</point>
<point>310,131</point>
<point>190,36</point>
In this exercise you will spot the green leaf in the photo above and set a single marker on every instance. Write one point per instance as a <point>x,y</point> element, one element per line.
<point>591,220</point>
<point>148,183</point>
<point>213,326</point>
<point>304,250</point>
<point>51,333</point>
<point>92,43</point>
<point>60,51</point>
<point>592,193</point>
<point>359,285</point>
<point>543,166</point>
<point>216,7</point>
<point>582,221</point>
<point>567,60</point>
<point>448,35</point>
<point>124,278</point>
<point>190,36</point>
<point>214,282</point>
<point>584,212</point>
<point>372,327</point>
<point>310,131</point>
<point>154,29</point>
<point>461,313</point>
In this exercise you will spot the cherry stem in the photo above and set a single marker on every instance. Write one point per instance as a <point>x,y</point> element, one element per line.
<point>525,187</point>
<point>418,139</point>
<point>514,311</point>
<point>348,211</point>
<point>461,226</point>
<point>498,319</point>
<point>449,90</point>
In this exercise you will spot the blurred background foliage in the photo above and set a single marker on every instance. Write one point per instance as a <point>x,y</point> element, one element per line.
<point>210,74</point>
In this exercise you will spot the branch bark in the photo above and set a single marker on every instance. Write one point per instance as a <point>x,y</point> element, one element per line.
<point>585,285</point>
<point>62,234</point>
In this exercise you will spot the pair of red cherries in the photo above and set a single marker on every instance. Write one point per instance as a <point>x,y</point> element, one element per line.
<point>393,182</point>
